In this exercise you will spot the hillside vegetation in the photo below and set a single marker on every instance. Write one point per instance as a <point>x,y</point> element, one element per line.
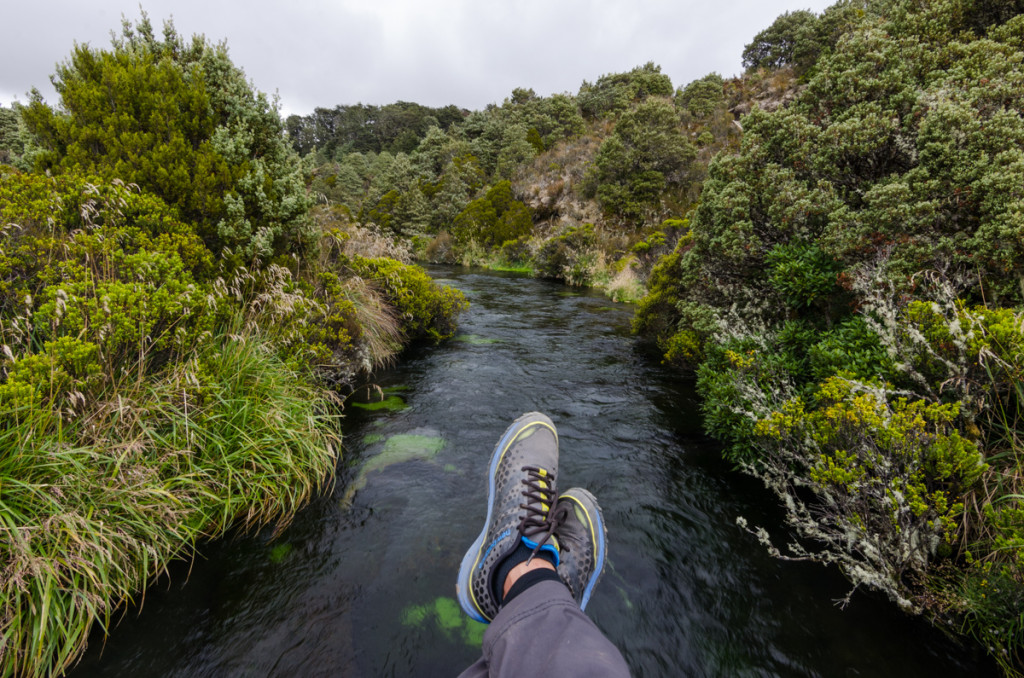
<point>849,294</point>
<point>564,186</point>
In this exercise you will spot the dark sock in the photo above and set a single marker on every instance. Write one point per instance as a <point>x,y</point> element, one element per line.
<point>520,555</point>
<point>527,580</point>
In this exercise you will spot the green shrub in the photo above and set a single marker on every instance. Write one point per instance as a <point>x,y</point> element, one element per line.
<point>791,40</point>
<point>802,274</point>
<point>614,92</point>
<point>702,97</point>
<point>646,153</point>
<point>888,477</point>
<point>850,347</point>
<point>493,219</point>
<point>516,251</point>
<point>425,308</point>
<point>186,125</point>
<point>568,255</point>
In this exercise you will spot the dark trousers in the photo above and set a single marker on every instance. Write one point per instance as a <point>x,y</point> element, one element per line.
<point>543,632</point>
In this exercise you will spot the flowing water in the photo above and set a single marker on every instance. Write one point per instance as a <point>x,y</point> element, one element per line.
<point>362,582</point>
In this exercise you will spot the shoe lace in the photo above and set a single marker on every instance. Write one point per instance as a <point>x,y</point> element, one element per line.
<point>542,517</point>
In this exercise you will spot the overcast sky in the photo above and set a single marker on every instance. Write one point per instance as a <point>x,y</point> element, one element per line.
<point>434,52</point>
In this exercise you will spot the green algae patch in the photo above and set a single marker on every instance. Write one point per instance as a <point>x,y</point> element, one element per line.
<point>476,340</point>
<point>392,404</point>
<point>280,552</point>
<point>446,615</point>
<point>625,598</point>
<point>422,444</point>
<point>372,438</point>
<point>415,615</point>
<point>406,446</point>
<point>451,468</point>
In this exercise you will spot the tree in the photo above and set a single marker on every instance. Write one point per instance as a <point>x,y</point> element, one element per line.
<point>785,43</point>
<point>516,150</point>
<point>461,180</point>
<point>555,118</point>
<point>12,142</point>
<point>701,97</point>
<point>646,152</point>
<point>614,92</point>
<point>363,128</point>
<point>181,121</point>
<point>494,219</point>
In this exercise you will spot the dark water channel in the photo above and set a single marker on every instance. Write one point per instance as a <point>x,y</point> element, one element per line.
<point>364,586</point>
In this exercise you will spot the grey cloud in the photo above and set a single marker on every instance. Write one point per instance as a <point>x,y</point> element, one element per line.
<point>320,53</point>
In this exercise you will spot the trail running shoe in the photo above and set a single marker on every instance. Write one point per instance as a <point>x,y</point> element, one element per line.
<point>520,494</point>
<point>582,538</point>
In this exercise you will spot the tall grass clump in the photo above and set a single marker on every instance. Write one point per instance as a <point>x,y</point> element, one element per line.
<point>93,508</point>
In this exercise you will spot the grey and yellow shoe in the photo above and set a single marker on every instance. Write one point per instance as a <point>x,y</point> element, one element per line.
<point>582,538</point>
<point>520,495</point>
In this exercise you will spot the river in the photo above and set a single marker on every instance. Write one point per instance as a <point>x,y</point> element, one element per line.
<point>362,582</point>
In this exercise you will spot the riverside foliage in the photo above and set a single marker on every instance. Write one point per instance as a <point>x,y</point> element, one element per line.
<point>171,319</point>
<point>849,294</point>
<point>506,185</point>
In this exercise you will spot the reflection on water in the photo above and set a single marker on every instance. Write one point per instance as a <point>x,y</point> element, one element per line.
<point>362,582</point>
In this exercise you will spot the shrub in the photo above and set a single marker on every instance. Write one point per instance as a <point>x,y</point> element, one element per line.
<point>646,153</point>
<point>425,309</point>
<point>802,274</point>
<point>493,219</point>
<point>887,475</point>
<point>791,40</point>
<point>568,255</point>
<point>614,92</point>
<point>441,250</point>
<point>702,97</point>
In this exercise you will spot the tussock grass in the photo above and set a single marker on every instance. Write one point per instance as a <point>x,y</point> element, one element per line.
<point>624,285</point>
<point>381,326</point>
<point>92,509</point>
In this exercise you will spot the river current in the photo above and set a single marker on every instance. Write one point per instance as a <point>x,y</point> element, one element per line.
<point>362,582</point>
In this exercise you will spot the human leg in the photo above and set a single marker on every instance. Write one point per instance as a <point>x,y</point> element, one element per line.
<point>536,604</point>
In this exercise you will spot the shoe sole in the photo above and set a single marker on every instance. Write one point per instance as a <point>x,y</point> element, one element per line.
<point>598,533</point>
<point>463,588</point>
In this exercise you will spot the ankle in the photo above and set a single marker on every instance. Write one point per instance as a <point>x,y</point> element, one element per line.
<point>523,568</point>
<point>528,580</point>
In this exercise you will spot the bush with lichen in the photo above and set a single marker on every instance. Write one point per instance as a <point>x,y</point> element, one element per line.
<point>863,350</point>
